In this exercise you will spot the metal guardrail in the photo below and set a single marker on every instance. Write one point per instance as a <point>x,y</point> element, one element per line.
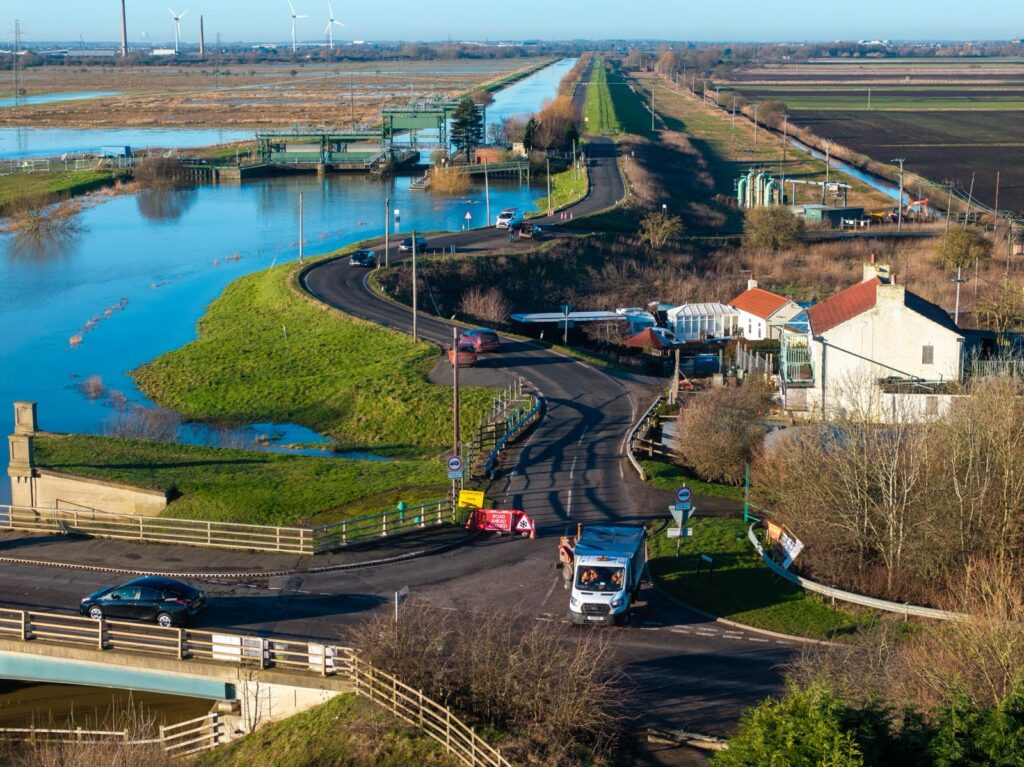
<point>639,427</point>
<point>521,422</point>
<point>849,596</point>
<point>251,651</point>
<point>226,535</point>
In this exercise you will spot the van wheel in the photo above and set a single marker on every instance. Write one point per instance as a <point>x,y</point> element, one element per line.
<point>95,613</point>
<point>567,572</point>
<point>164,620</point>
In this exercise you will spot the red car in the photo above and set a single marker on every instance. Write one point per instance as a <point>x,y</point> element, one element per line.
<point>482,339</point>
<point>465,355</point>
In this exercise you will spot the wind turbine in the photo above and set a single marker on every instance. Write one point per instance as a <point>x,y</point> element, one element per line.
<point>177,27</point>
<point>331,23</point>
<point>294,17</point>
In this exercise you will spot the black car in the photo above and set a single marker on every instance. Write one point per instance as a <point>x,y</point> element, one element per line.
<point>363,257</point>
<point>406,245</point>
<point>151,598</point>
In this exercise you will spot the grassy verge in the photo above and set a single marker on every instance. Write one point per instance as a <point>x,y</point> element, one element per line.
<point>742,589</point>
<point>41,188</point>
<point>344,732</point>
<point>598,110</point>
<point>566,189</point>
<point>264,353</point>
<point>247,486</point>
<point>667,476</point>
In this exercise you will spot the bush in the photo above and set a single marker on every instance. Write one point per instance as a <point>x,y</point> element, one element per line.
<point>720,429</point>
<point>448,181</point>
<point>556,698</point>
<point>772,228</point>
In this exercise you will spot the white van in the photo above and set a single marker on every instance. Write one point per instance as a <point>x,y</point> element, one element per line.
<point>509,218</point>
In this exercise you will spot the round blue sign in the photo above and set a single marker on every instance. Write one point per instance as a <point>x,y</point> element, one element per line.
<point>454,463</point>
<point>683,494</point>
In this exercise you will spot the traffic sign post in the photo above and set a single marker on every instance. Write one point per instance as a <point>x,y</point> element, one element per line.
<point>400,596</point>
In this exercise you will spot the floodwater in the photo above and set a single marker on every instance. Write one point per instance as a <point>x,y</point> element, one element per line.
<point>53,142</point>
<point>132,283</point>
<point>53,98</point>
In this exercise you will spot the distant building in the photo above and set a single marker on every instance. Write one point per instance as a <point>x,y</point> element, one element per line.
<point>824,215</point>
<point>164,52</point>
<point>870,346</point>
<point>762,314</point>
<point>696,322</point>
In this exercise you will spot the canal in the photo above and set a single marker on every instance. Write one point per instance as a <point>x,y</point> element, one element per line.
<point>133,281</point>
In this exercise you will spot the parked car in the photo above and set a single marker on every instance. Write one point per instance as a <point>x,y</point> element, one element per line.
<point>464,357</point>
<point>150,598</point>
<point>666,336</point>
<point>363,257</point>
<point>530,231</point>
<point>405,245</point>
<point>509,218</point>
<point>482,339</point>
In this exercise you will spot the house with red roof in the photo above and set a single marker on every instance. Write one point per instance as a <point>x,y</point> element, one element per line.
<point>762,314</point>
<point>867,343</point>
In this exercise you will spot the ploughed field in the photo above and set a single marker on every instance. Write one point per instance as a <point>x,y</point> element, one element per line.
<point>950,119</point>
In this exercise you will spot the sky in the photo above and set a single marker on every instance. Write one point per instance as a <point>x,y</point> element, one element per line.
<point>699,20</point>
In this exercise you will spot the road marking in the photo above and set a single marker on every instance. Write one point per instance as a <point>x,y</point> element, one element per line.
<point>756,639</point>
<point>580,440</point>
<point>548,595</point>
<point>622,474</point>
<point>572,471</point>
<point>568,510</point>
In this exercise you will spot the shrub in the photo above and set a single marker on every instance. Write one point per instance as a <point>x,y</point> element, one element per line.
<point>772,228</point>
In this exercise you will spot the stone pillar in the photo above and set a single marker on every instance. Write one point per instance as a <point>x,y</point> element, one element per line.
<point>20,470</point>
<point>25,418</point>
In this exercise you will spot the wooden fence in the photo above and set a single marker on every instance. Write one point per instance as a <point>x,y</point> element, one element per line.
<point>258,652</point>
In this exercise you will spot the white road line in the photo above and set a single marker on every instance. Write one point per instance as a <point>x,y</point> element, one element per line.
<point>568,508</point>
<point>580,440</point>
<point>756,639</point>
<point>548,595</point>
<point>572,471</point>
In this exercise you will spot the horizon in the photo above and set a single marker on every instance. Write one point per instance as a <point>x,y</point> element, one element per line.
<point>726,21</point>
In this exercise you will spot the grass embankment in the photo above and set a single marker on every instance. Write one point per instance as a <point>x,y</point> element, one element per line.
<point>567,187</point>
<point>741,588</point>
<point>265,353</point>
<point>344,732</point>
<point>247,486</point>
<point>45,187</point>
<point>729,154</point>
<point>667,476</point>
<point>598,110</point>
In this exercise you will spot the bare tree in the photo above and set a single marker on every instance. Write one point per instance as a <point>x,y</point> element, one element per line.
<point>487,305</point>
<point>658,229</point>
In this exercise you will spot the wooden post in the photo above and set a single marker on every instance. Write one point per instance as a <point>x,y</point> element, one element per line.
<point>100,625</point>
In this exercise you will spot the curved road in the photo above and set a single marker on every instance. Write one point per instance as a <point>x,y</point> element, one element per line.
<point>687,672</point>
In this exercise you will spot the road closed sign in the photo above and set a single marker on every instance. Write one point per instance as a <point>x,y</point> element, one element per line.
<point>471,499</point>
<point>454,463</point>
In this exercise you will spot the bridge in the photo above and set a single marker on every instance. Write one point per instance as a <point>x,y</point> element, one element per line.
<point>250,679</point>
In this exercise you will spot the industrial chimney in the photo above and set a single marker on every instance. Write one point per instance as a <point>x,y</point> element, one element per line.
<point>124,33</point>
<point>202,42</point>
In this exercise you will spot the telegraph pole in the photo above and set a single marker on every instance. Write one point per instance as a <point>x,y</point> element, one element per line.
<point>734,118</point>
<point>487,193</point>
<point>14,60</point>
<point>899,214</point>
<point>755,124</point>
<point>782,168</point>
<point>547,173</point>
<point>387,229</point>
<point>300,227</point>
<point>455,395</point>
<point>653,86</point>
<point>415,334</point>
<point>124,33</point>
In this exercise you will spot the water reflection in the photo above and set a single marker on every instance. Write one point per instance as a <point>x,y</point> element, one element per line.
<point>44,245</point>
<point>165,203</point>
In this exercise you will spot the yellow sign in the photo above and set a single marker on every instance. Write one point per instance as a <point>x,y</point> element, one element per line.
<point>473,499</point>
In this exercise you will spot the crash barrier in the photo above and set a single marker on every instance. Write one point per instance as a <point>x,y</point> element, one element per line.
<point>639,432</point>
<point>848,596</point>
<point>226,535</point>
<point>181,739</point>
<point>528,412</point>
<point>257,652</point>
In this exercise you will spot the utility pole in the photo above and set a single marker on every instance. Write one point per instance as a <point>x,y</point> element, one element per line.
<point>14,60</point>
<point>970,200</point>
<point>956,309</point>
<point>949,207</point>
<point>869,98</point>
<point>387,230</point>
<point>899,214</point>
<point>755,124</point>
<point>202,39</point>
<point>652,107</point>
<point>487,193</point>
<point>782,167</point>
<point>828,168</point>
<point>300,227</point>
<point>576,175</point>
<point>734,118</point>
<point>455,400</point>
<point>415,334</point>
<point>547,173</point>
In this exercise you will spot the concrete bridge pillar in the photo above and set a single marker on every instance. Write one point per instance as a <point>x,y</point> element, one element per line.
<point>21,468</point>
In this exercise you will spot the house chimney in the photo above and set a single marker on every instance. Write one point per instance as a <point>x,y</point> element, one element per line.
<point>890,294</point>
<point>872,269</point>
<point>751,284</point>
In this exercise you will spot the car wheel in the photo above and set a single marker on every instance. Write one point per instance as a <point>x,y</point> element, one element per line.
<point>95,613</point>
<point>164,620</point>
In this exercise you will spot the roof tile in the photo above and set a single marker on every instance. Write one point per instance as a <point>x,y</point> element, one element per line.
<point>759,302</point>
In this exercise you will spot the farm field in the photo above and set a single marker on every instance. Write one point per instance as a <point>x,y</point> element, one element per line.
<point>340,95</point>
<point>951,119</point>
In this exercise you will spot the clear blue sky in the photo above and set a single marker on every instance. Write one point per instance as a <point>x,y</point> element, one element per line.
<point>269,20</point>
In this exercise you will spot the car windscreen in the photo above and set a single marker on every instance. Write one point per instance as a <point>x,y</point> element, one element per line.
<point>592,578</point>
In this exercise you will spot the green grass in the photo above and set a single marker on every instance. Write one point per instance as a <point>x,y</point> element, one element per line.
<point>742,589</point>
<point>264,353</point>
<point>667,476</point>
<point>598,110</point>
<point>247,486</point>
<point>566,189</point>
<point>48,186</point>
<point>344,732</point>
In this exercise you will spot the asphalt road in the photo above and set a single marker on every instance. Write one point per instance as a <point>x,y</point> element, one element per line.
<point>684,671</point>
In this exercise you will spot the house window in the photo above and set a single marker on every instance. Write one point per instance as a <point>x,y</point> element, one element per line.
<point>927,355</point>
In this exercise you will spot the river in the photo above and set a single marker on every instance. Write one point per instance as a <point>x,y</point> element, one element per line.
<point>136,278</point>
